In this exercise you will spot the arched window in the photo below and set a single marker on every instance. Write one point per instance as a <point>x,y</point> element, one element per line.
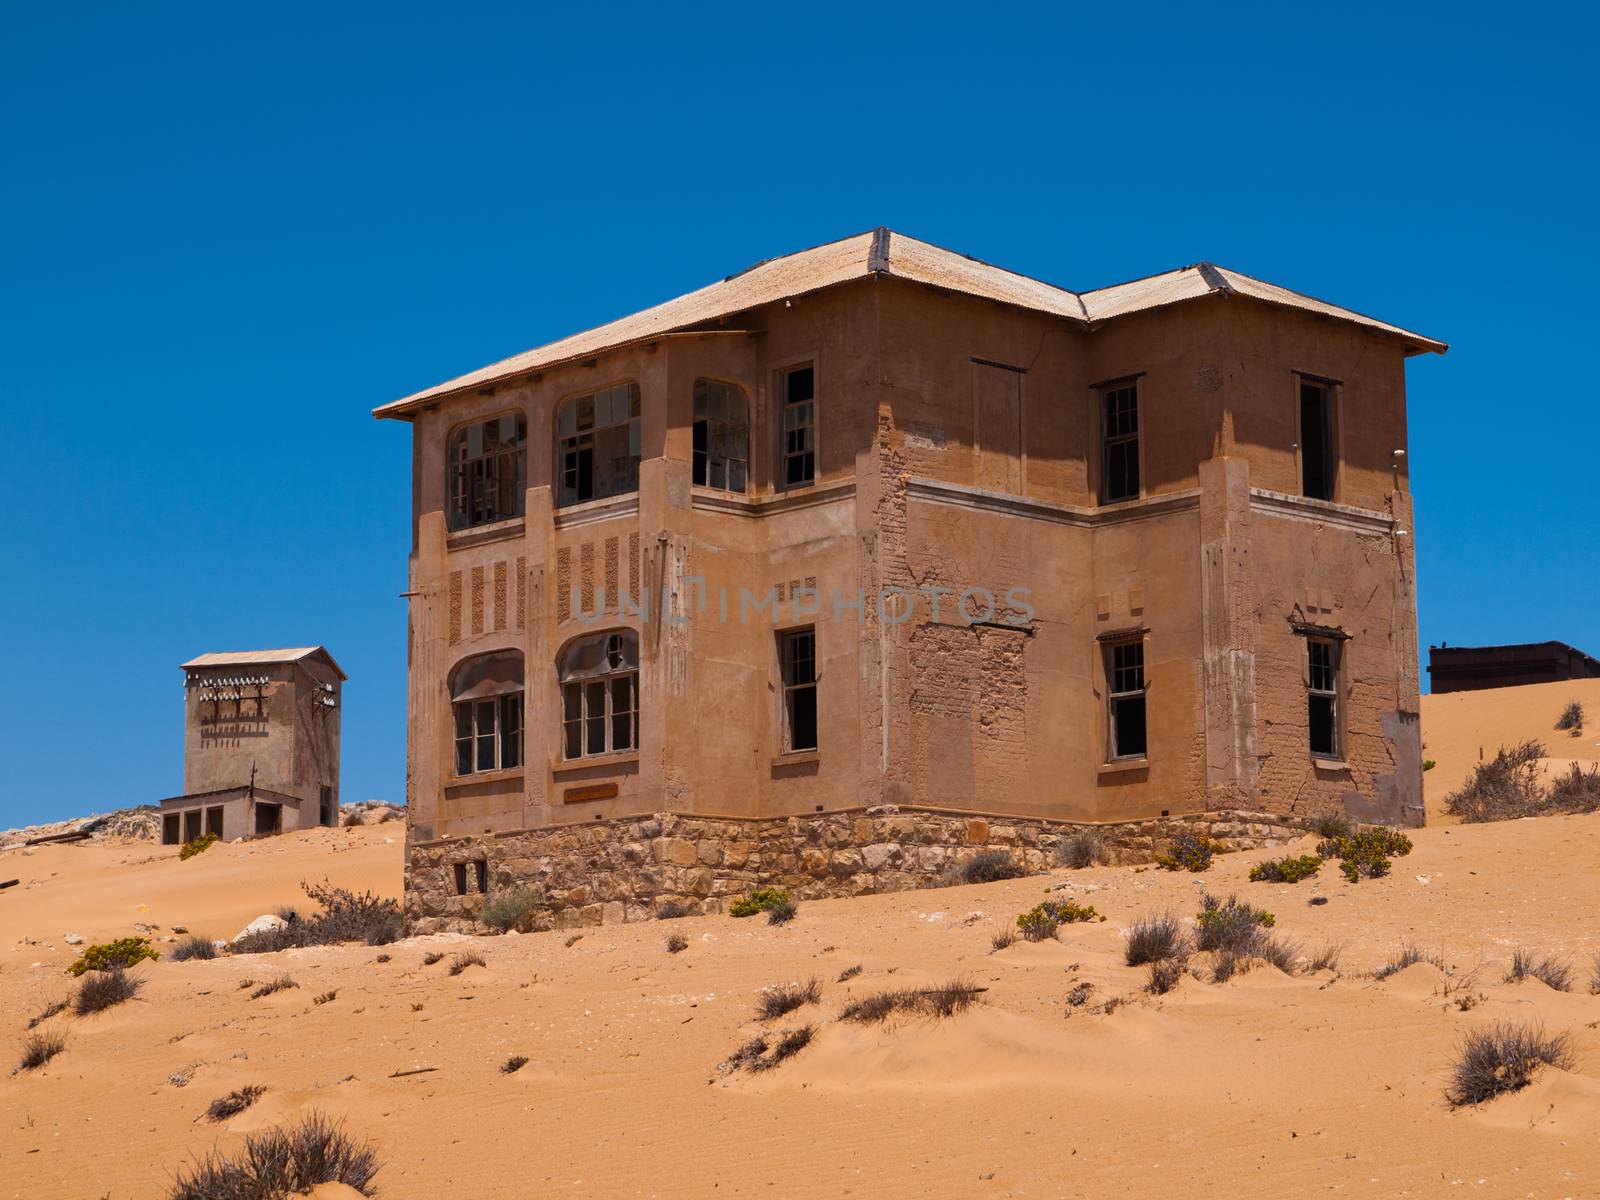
<point>486,696</point>
<point>597,445</point>
<point>599,676</point>
<point>721,435</point>
<point>488,471</point>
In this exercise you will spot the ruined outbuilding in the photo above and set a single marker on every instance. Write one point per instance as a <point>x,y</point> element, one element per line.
<point>870,556</point>
<point>261,745</point>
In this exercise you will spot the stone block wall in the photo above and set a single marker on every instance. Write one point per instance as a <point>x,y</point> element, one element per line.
<point>629,869</point>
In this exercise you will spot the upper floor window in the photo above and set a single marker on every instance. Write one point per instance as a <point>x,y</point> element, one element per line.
<point>797,388</point>
<point>1322,695</point>
<point>721,435</point>
<point>488,471</point>
<point>1125,687</point>
<point>1119,436</point>
<point>597,445</point>
<point>599,676</point>
<point>486,699</point>
<point>1318,463</point>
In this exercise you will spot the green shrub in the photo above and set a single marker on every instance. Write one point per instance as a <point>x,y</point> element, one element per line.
<point>345,917</point>
<point>759,900</point>
<point>1286,870</point>
<point>112,956</point>
<point>1366,852</point>
<point>519,908</point>
<point>1428,764</point>
<point>1188,852</point>
<point>1230,925</point>
<point>199,846</point>
<point>1041,921</point>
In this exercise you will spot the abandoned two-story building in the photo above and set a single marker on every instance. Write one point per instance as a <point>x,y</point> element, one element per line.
<point>875,555</point>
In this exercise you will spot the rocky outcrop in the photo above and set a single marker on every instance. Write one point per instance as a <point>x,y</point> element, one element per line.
<point>631,869</point>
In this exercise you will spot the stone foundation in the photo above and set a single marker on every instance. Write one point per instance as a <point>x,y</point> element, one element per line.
<point>631,868</point>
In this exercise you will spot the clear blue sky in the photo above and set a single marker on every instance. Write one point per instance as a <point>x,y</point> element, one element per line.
<point>229,232</point>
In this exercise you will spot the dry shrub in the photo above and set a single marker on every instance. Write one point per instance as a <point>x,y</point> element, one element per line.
<point>326,997</point>
<point>346,916</point>
<point>470,958</point>
<point>775,1002</point>
<point>1080,850</point>
<point>280,984</point>
<point>1326,957</point>
<point>1408,955</point>
<point>1510,786</point>
<point>1503,1058</point>
<point>1594,977</point>
<point>1155,937</point>
<point>1164,976</point>
<point>849,973</point>
<point>40,1048</point>
<point>513,1064</point>
<point>1005,938</point>
<point>762,1053</point>
<point>60,1006</point>
<point>671,909</point>
<point>676,943</point>
<point>1080,993</point>
<point>521,908</point>
<point>101,990</point>
<point>1556,972</point>
<point>282,1162</point>
<point>194,946</point>
<point>234,1102</point>
<point>431,957</point>
<point>987,866</point>
<point>1332,826</point>
<point>782,912</point>
<point>1571,718</point>
<point>944,1000</point>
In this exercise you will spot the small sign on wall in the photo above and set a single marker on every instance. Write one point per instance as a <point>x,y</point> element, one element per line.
<point>593,791</point>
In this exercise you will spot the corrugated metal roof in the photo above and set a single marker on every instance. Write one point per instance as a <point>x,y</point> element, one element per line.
<point>246,658</point>
<point>881,252</point>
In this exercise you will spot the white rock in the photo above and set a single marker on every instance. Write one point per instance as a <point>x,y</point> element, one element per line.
<point>263,922</point>
<point>73,939</point>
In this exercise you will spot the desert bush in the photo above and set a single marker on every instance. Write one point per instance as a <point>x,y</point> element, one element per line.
<point>1230,925</point>
<point>1326,957</point>
<point>1280,952</point>
<point>194,946</point>
<point>849,973</point>
<point>944,1000</point>
<point>1080,993</point>
<point>468,958</point>
<point>1505,787</point>
<point>281,983</point>
<point>1556,972</point>
<point>676,943</point>
<point>1229,964</point>
<point>1503,1058</point>
<point>198,846</point>
<point>282,1162</point>
<point>40,1048</point>
<point>1317,901</point>
<point>1575,791</point>
<point>673,909</point>
<point>1428,764</point>
<point>1042,920</point>
<point>101,990</point>
<point>778,1001</point>
<point>327,997</point>
<point>1004,939</point>
<point>431,957</point>
<point>782,912</point>
<point>1571,718</point>
<point>1164,976</point>
<point>346,916</point>
<point>791,1043</point>
<point>1155,937</point>
<point>235,1102</point>
<point>114,956</point>
<point>519,908</point>
<point>1366,852</point>
<point>1408,955</point>
<point>1331,825</point>
<point>757,901</point>
<point>513,1064</point>
<point>987,866</point>
<point>60,1006</point>
<point>1286,870</point>
<point>1188,852</point>
<point>1080,850</point>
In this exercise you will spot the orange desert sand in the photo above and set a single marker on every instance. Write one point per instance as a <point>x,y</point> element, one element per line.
<point>1268,1085</point>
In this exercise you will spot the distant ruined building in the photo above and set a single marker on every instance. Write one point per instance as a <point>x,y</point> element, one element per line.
<point>869,557</point>
<point>261,745</point>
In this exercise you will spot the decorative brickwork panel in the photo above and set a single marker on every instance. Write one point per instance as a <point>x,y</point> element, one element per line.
<point>501,594</point>
<point>563,584</point>
<point>455,607</point>
<point>522,591</point>
<point>478,590</point>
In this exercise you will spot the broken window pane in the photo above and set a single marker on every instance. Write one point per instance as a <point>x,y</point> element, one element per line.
<point>598,446</point>
<point>721,435</point>
<point>488,472</point>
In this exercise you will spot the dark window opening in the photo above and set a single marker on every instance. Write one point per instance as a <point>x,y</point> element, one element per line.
<point>191,825</point>
<point>1120,426</point>
<point>1125,686</point>
<point>799,426</point>
<point>721,436</point>
<point>269,818</point>
<point>1316,440</point>
<point>480,869</point>
<point>170,829</point>
<point>1322,694</point>
<point>214,820</point>
<point>327,805</point>
<point>797,656</point>
<point>488,473</point>
<point>461,878</point>
<point>597,445</point>
<point>599,675</point>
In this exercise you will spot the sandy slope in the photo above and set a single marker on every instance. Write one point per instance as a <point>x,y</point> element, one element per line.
<point>1460,727</point>
<point>1267,1085</point>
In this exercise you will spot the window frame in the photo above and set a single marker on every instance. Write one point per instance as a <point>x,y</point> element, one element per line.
<point>1106,440</point>
<point>580,693</point>
<point>780,476</point>
<point>634,424</point>
<point>696,477</point>
<point>1117,696</point>
<point>790,689</point>
<point>457,517</point>
<point>1333,393</point>
<point>500,733</point>
<point>1330,693</point>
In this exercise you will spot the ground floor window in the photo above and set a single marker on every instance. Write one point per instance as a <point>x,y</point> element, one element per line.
<point>797,659</point>
<point>1322,695</point>
<point>1124,662</point>
<point>486,703</point>
<point>599,676</point>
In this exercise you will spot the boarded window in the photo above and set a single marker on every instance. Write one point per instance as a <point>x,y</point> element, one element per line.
<point>1317,461</point>
<point>599,676</point>
<point>488,471</point>
<point>797,657</point>
<point>1119,427</point>
<point>1125,687</point>
<point>1322,695</point>
<point>597,445</point>
<point>721,435</point>
<point>486,702</point>
<point>798,391</point>
<point>999,427</point>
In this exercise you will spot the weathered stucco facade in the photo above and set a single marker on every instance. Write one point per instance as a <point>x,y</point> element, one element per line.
<point>961,436</point>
